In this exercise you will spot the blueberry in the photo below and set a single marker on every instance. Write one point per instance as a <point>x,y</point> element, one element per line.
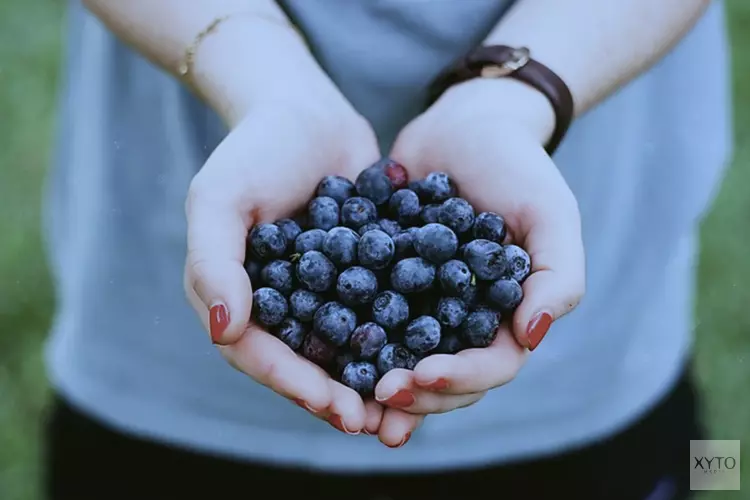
<point>439,187</point>
<point>404,243</point>
<point>430,213</point>
<point>404,206</point>
<point>269,306</point>
<point>470,296</point>
<point>489,226</point>
<point>505,294</point>
<point>451,312</point>
<point>422,335</point>
<point>315,272</point>
<point>390,310</point>
<point>323,213</point>
<point>436,243</point>
<point>519,262</point>
<point>343,359</point>
<point>279,275</point>
<point>340,245</point>
<point>357,286</point>
<point>267,242</point>
<point>310,240</point>
<point>367,341</point>
<point>449,344</point>
<point>373,183</point>
<point>486,259</point>
<point>454,277</point>
<point>457,214</point>
<point>291,332</point>
<point>412,275</point>
<point>420,187</point>
<point>290,229</point>
<point>334,323</point>
<point>358,211</point>
<point>370,226</point>
<point>480,328</point>
<point>376,250</point>
<point>303,304</point>
<point>252,268</point>
<point>360,376</point>
<point>389,227</point>
<point>394,356</point>
<point>336,187</point>
<point>317,351</point>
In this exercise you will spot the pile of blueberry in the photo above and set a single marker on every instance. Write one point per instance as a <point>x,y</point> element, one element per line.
<point>379,273</point>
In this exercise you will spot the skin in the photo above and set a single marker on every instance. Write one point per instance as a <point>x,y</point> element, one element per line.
<point>488,134</point>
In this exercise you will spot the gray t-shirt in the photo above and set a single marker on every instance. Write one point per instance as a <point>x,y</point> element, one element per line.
<point>127,348</point>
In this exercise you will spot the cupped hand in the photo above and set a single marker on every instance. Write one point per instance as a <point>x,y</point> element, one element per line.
<point>266,169</point>
<point>489,136</point>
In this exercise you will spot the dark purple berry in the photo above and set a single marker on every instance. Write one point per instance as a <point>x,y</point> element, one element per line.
<point>430,214</point>
<point>252,268</point>
<point>323,213</point>
<point>505,295</point>
<point>267,242</point>
<point>279,275</point>
<point>343,359</point>
<point>336,187</point>
<point>390,310</point>
<point>439,187</point>
<point>291,332</point>
<point>376,250</point>
<point>519,262</point>
<point>358,211</point>
<point>451,312</point>
<point>290,229</point>
<point>412,275</point>
<point>436,243</point>
<point>340,245</point>
<point>334,323</point>
<point>360,376</point>
<point>367,341</point>
<point>373,183</point>
<point>310,240</point>
<point>404,206</point>
<point>357,286</point>
<point>489,226</point>
<point>316,272</point>
<point>394,356</point>
<point>449,344</point>
<point>486,259</point>
<point>454,277</point>
<point>317,351</point>
<point>404,243</point>
<point>422,335</point>
<point>470,296</point>
<point>371,226</point>
<point>480,328</point>
<point>304,303</point>
<point>457,214</point>
<point>269,307</point>
<point>389,227</point>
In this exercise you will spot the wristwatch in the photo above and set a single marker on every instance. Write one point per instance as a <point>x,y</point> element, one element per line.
<point>502,61</point>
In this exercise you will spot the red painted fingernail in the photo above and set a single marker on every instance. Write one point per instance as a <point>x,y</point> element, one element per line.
<point>437,385</point>
<point>538,328</point>
<point>402,399</point>
<point>338,423</point>
<point>218,322</point>
<point>405,440</point>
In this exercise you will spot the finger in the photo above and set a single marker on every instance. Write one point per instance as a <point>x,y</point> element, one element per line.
<point>393,390</point>
<point>397,427</point>
<point>374,416</point>
<point>558,275</point>
<point>398,390</point>
<point>347,412</point>
<point>473,370</point>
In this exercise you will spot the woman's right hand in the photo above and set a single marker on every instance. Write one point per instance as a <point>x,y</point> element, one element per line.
<point>267,168</point>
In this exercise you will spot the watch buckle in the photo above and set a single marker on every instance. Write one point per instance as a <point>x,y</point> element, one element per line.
<point>518,59</point>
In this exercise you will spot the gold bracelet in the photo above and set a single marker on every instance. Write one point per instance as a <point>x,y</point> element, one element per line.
<point>186,65</point>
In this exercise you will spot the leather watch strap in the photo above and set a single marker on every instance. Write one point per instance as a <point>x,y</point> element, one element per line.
<point>501,61</point>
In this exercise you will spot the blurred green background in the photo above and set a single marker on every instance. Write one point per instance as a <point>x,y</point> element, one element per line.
<point>30,53</point>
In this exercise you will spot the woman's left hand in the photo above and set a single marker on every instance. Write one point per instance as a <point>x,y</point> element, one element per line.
<point>488,136</point>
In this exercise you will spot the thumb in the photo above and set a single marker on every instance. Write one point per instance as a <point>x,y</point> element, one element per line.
<point>214,272</point>
<point>558,276</point>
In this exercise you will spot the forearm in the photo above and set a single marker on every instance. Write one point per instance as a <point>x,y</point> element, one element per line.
<point>253,56</point>
<point>596,46</point>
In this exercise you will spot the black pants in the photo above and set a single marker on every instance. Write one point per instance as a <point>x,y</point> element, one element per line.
<point>648,461</point>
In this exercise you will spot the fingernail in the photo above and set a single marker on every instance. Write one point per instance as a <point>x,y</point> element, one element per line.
<point>436,385</point>
<point>303,404</point>
<point>538,328</point>
<point>338,423</point>
<point>366,432</point>
<point>405,440</point>
<point>402,399</point>
<point>218,322</point>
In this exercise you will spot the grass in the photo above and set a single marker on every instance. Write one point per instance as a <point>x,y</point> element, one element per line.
<point>29,64</point>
